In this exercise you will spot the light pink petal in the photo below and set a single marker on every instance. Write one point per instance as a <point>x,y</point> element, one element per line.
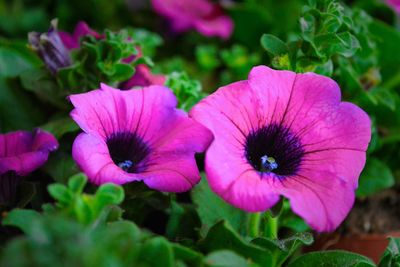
<point>107,110</point>
<point>339,143</point>
<point>272,88</point>
<point>169,172</point>
<point>171,167</point>
<point>322,198</point>
<point>232,178</point>
<point>92,156</point>
<point>232,119</point>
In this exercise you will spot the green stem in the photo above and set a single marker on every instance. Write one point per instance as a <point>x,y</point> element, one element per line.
<point>271,226</point>
<point>254,224</point>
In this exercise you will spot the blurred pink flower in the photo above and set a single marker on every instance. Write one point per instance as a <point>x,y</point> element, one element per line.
<point>202,15</point>
<point>395,4</point>
<point>71,41</point>
<point>21,153</point>
<point>282,133</point>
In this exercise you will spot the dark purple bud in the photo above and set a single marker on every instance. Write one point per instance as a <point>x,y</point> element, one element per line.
<point>50,48</point>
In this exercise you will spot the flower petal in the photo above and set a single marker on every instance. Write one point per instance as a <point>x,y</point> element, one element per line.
<point>143,77</point>
<point>272,89</point>
<point>232,178</point>
<point>108,110</point>
<point>221,26</point>
<point>92,156</point>
<point>24,152</point>
<point>322,198</point>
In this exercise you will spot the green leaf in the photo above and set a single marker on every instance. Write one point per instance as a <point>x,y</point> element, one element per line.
<point>375,177</point>
<point>190,256</point>
<point>19,110</point>
<point>273,45</point>
<point>61,166</point>
<point>60,193</point>
<point>391,257</point>
<point>221,236</point>
<point>77,182</point>
<point>225,258</point>
<point>60,126</point>
<point>334,258</point>
<point>281,250</point>
<point>157,252</point>
<point>23,219</point>
<point>207,56</point>
<point>212,209</point>
<point>109,194</point>
<point>15,58</point>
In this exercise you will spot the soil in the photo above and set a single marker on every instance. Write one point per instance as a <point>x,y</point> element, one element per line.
<point>377,214</point>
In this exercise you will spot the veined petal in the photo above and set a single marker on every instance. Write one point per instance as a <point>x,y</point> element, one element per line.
<point>92,156</point>
<point>322,198</point>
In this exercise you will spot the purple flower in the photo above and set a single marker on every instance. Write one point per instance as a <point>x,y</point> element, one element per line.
<point>71,41</point>
<point>143,77</point>
<point>395,4</point>
<point>202,15</point>
<point>137,135</point>
<point>282,133</point>
<point>50,48</point>
<point>21,153</point>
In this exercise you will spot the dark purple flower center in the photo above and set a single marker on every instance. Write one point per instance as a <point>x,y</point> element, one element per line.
<point>127,150</point>
<point>274,148</point>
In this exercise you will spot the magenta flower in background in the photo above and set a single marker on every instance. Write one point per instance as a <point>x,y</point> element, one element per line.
<point>143,77</point>
<point>395,4</point>
<point>21,153</point>
<point>202,15</point>
<point>137,135</point>
<point>71,41</point>
<point>282,133</point>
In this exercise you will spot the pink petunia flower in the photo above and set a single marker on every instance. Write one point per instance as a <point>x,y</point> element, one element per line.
<point>71,41</point>
<point>282,133</point>
<point>21,153</point>
<point>143,77</point>
<point>137,135</point>
<point>202,15</point>
<point>395,4</point>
